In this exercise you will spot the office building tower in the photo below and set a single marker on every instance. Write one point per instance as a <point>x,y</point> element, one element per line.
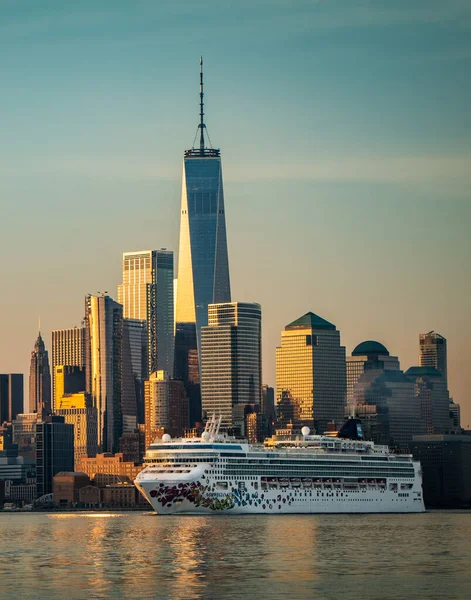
<point>146,294</point>
<point>366,356</point>
<point>11,396</point>
<point>68,350</point>
<point>431,390</point>
<point>203,266</point>
<point>388,407</point>
<point>84,419</point>
<point>432,352</point>
<point>68,380</point>
<point>231,360</point>
<point>109,379</point>
<point>310,373</point>
<point>166,407</point>
<point>268,406</point>
<point>40,380</point>
<point>24,431</point>
<point>54,451</point>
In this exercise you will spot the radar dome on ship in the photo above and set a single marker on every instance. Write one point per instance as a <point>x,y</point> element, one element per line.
<point>166,437</point>
<point>305,431</point>
<point>205,436</point>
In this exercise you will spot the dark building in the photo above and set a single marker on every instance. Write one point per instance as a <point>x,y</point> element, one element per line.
<point>267,406</point>
<point>54,451</point>
<point>40,380</point>
<point>446,469</point>
<point>432,352</point>
<point>11,396</point>
<point>431,390</point>
<point>186,367</point>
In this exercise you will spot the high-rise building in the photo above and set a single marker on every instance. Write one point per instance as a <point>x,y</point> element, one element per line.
<point>54,451</point>
<point>166,407</point>
<point>203,265</point>
<point>68,350</point>
<point>455,416</point>
<point>432,352</point>
<point>310,373</point>
<point>11,396</point>
<point>146,294</point>
<point>366,356</point>
<point>390,411</point>
<point>24,431</point>
<point>268,406</point>
<point>431,390</point>
<point>40,379</point>
<point>109,378</point>
<point>231,359</point>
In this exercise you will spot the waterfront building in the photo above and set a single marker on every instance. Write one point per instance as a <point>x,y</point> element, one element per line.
<point>310,373</point>
<point>366,356</point>
<point>66,487</point>
<point>109,376</point>
<point>445,461</point>
<point>68,350</point>
<point>146,294</point>
<point>231,359</point>
<point>11,396</point>
<point>54,451</point>
<point>432,352</point>
<point>388,407</point>
<point>109,466</point>
<point>39,379</point>
<point>431,390</point>
<point>166,407</point>
<point>203,265</point>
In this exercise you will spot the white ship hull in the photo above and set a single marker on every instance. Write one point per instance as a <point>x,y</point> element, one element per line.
<point>167,498</point>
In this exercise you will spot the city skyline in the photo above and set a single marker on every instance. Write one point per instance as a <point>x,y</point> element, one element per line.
<point>392,196</point>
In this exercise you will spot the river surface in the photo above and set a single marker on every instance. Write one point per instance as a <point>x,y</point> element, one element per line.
<point>140,555</point>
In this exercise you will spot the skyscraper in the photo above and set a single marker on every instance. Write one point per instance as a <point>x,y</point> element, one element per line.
<point>431,390</point>
<point>432,352</point>
<point>109,379</point>
<point>11,396</point>
<point>68,350</point>
<point>54,451</point>
<point>231,360</point>
<point>203,266</point>
<point>367,355</point>
<point>310,372</point>
<point>146,294</point>
<point>40,379</point>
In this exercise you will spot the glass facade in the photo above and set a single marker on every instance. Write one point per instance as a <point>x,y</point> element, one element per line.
<point>231,363</point>
<point>203,269</point>
<point>432,352</point>
<point>310,373</point>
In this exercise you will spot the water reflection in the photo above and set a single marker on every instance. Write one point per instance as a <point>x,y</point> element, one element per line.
<point>116,555</point>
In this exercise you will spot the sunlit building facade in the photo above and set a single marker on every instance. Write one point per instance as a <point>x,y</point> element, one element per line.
<point>109,377</point>
<point>310,373</point>
<point>203,266</point>
<point>432,352</point>
<point>231,359</point>
<point>146,294</point>
<point>68,349</point>
<point>166,407</point>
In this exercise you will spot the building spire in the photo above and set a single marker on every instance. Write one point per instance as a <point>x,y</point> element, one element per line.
<point>201,125</point>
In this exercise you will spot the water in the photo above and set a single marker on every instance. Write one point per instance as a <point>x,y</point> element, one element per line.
<point>122,555</point>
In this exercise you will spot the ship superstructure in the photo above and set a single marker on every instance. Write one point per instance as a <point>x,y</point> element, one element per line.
<point>288,474</point>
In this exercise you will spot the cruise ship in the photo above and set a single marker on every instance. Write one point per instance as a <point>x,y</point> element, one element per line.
<point>303,473</point>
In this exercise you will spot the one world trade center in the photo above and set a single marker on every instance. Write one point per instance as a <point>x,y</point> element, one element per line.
<point>203,266</point>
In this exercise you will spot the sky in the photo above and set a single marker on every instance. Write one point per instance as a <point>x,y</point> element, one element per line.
<point>345,133</point>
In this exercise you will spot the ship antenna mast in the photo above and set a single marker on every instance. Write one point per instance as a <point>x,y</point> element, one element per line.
<point>201,126</point>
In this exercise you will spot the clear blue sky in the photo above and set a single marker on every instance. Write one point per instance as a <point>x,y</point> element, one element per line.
<point>345,133</point>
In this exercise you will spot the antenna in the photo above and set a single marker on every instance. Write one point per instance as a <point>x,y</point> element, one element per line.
<point>201,125</point>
